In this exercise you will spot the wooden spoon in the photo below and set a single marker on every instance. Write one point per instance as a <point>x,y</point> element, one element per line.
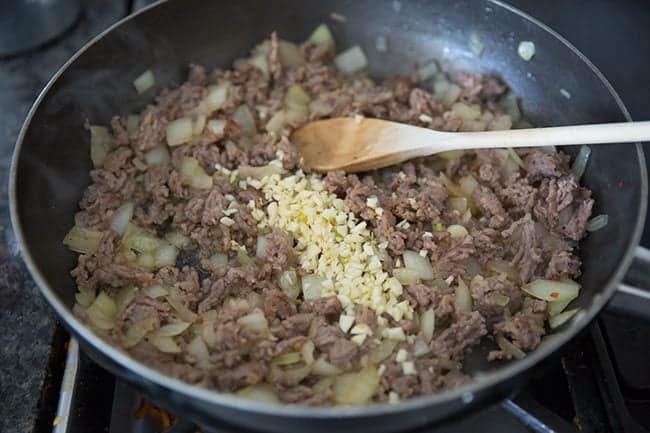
<point>353,145</point>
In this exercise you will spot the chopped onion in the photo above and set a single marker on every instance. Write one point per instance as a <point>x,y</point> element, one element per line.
<point>422,265</point>
<point>381,44</point>
<point>428,70</point>
<point>247,171</point>
<point>323,36</point>
<point>510,105</point>
<point>255,300</point>
<point>312,286</point>
<point>166,256</point>
<point>254,321</point>
<point>526,50</point>
<point>467,111</point>
<point>183,312</point>
<point>307,352</point>
<point>406,276</point>
<point>218,260</point>
<point>157,155</point>
<point>83,240</point>
<point>172,329</point>
<point>467,185</point>
<point>100,143</point>
<point>549,290</point>
<point>458,204</point>
<point>277,122</point>
<point>356,388</point>
<point>288,282</point>
<point>122,218</point>
<point>290,54</point>
<point>217,127</point>
<point>508,348</point>
<point>85,298</point>
<point>451,154</point>
<point>138,331</point>
<point>140,240</point>
<point>177,239</point>
<point>146,261</point>
<point>427,324</point>
<point>156,291</point>
<point>580,163</point>
<point>560,319</point>
<point>324,385</point>
<point>501,122</point>
<point>214,100</point>
<point>351,60</point>
<point>198,124</point>
<point>262,392</point>
<point>102,312</point>
<point>463,300</point>
<point>475,44</point>
<point>244,119</point>
<point>179,131</point>
<point>132,122</point>
<point>457,231</point>
<point>262,244</point>
<point>320,367</point>
<point>260,62</point>
<point>515,157</point>
<point>420,348</point>
<point>452,94</point>
<point>296,96</point>
<point>553,308</point>
<point>199,351</point>
<point>287,358</point>
<point>289,376</point>
<point>165,344</point>
<point>194,175</point>
<point>597,222</point>
<point>124,297</point>
<point>144,82</point>
<point>382,351</point>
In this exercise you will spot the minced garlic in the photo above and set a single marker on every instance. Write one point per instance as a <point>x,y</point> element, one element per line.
<point>331,242</point>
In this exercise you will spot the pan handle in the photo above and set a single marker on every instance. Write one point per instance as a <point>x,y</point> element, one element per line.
<point>633,295</point>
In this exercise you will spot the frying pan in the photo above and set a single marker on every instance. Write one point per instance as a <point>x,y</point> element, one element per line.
<point>50,166</point>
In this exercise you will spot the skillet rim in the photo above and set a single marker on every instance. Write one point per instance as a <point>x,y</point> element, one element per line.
<point>204,396</point>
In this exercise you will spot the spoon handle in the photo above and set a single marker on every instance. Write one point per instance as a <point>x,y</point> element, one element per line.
<point>624,132</point>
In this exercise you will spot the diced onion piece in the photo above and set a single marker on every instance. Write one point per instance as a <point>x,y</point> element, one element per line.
<point>214,100</point>
<point>580,163</point>
<point>165,344</point>
<point>320,367</point>
<point>560,319</point>
<point>457,231</point>
<point>260,62</point>
<point>140,240</point>
<point>500,123</point>
<point>295,115</point>
<point>440,88</point>
<point>351,60</point>
<point>503,267</point>
<point>132,122</point>
<point>509,348</point>
<point>247,171</point>
<point>475,44</point>
<point>198,124</point>
<point>458,204</point>
<point>179,131</point>
<point>420,348</point>
<point>199,351</point>
<point>549,290</point>
<point>144,82</point>
<point>467,111</point>
<point>138,331</point>
<point>307,352</point>
<point>406,276</point>
<point>122,218</point>
<point>172,329</point>
<point>428,70</point>
<point>381,44</point>
<point>277,122</point>
<point>553,308</point>
<point>287,358</point>
<point>260,249</point>
<point>102,312</point>
<point>100,143</point>
<point>183,312</point>
<point>467,185</point>
<point>288,282</point>
<point>85,298</point>
<point>526,50</point>
<point>83,240</point>
<point>156,291</point>
<point>244,119</point>
<point>124,297</point>
<point>463,300</point>
<point>177,239</point>
<point>218,260</point>
<point>597,223</point>
<point>296,96</point>
<point>156,156</point>
<point>320,108</point>
<point>427,324</point>
<point>192,174</point>
<point>323,36</point>
<point>290,376</point>
<point>451,154</point>
<point>254,321</point>
<point>356,388</point>
<point>312,287</point>
<point>166,256</point>
<point>146,261</point>
<point>290,54</point>
<point>510,105</point>
<point>382,351</point>
<point>262,392</point>
<point>217,127</point>
<point>422,265</point>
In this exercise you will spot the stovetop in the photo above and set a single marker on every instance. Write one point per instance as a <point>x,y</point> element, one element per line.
<point>601,383</point>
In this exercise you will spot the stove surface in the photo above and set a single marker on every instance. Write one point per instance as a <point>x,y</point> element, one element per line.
<point>600,384</point>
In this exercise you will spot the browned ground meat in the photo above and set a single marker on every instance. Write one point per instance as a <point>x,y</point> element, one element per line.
<point>249,320</point>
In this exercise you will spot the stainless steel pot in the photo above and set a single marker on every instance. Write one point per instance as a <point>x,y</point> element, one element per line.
<point>50,166</point>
